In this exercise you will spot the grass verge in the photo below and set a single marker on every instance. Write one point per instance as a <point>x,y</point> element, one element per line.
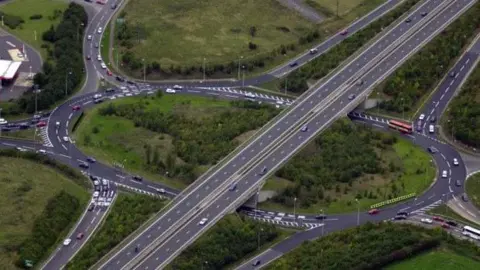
<point>440,259</point>
<point>473,189</point>
<point>445,211</point>
<point>25,134</point>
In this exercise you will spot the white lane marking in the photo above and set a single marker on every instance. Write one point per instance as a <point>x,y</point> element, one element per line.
<point>70,116</point>
<point>431,196</point>
<point>64,147</point>
<point>91,222</point>
<point>193,91</point>
<point>64,156</point>
<point>450,188</point>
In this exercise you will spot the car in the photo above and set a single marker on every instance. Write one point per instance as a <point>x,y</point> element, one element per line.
<point>96,194</point>
<point>83,165</point>
<point>351,96</point>
<point>431,129</point>
<point>76,107</point>
<point>109,73</point>
<point>432,149</point>
<point>427,220</point>
<point>67,241</point>
<point>458,183</point>
<point>41,124</point>
<point>33,121</point>
<point>96,45</point>
<point>12,125</point>
<point>79,236</point>
<point>421,117</point>
<point>23,125</point>
<point>130,82</point>
<point>98,100</point>
<point>137,178</point>
<point>304,128</point>
<point>424,14</point>
<point>104,182</point>
<point>444,174</point>
<point>93,177</point>
<point>99,30</point>
<point>170,91</point>
<point>264,170</point>
<point>114,5</point>
<point>110,90</point>
<point>321,216</point>
<point>233,187</point>
<point>89,37</point>
<point>451,223</point>
<point>3,121</point>
<point>445,226</point>
<point>97,96</point>
<point>464,197</point>
<point>37,116</point>
<point>402,213</point>
<point>455,162</point>
<point>408,20</point>
<point>91,159</point>
<point>400,217</point>
<point>20,149</point>
<point>177,87</point>
<point>256,263</point>
<point>99,57</point>
<point>433,119</point>
<point>313,51</point>
<point>103,65</point>
<point>279,102</point>
<point>6,129</point>
<point>437,218</point>
<point>89,57</point>
<point>452,74</point>
<point>66,139</point>
<point>42,151</point>
<point>160,190</point>
<point>120,79</point>
<point>344,32</point>
<point>373,211</point>
<point>249,95</point>
<point>203,221</point>
<point>359,82</point>
<point>419,126</point>
<point>293,64</point>
<point>91,207</point>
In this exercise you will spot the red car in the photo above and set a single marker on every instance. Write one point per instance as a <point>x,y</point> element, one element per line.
<point>79,236</point>
<point>76,107</point>
<point>445,225</point>
<point>344,32</point>
<point>438,219</point>
<point>109,73</point>
<point>373,212</point>
<point>41,124</point>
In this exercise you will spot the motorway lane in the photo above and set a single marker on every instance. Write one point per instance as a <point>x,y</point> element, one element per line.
<point>252,150</point>
<point>220,206</point>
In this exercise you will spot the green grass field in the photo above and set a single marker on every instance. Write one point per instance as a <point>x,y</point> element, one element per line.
<point>344,6</point>
<point>404,154</point>
<point>25,190</point>
<point>473,189</point>
<point>437,260</point>
<point>26,134</point>
<point>27,8</point>
<point>118,139</point>
<point>185,31</point>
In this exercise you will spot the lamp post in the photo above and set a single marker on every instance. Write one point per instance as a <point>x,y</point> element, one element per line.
<point>243,77</point>
<point>239,60</point>
<point>1,117</point>
<point>66,81</point>
<point>358,212</point>
<point>321,212</point>
<point>258,238</point>
<point>204,59</point>
<point>294,208</point>
<point>144,71</point>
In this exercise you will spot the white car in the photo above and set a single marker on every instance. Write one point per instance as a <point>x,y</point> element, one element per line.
<point>177,87</point>
<point>427,220</point>
<point>65,139</point>
<point>89,37</point>
<point>3,121</point>
<point>313,51</point>
<point>100,30</point>
<point>170,91</point>
<point>203,221</point>
<point>103,65</point>
<point>96,183</point>
<point>42,151</point>
<point>57,124</point>
<point>455,162</point>
<point>97,96</point>
<point>249,95</point>
<point>95,194</point>
<point>421,117</point>
<point>160,190</point>
<point>444,174</point>
<point>279,102</point>
<point>99,57</point>
<point>431,129</point>
<point>67,242</point>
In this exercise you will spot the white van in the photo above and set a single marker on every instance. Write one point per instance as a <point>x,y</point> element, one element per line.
<point>431,129</point>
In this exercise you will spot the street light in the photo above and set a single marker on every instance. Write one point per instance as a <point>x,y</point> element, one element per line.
<point>66,81</point>
<point>239,60</point>
<point>204,59</point>
<point>144,73</point>
<point>294,206</point>
<point>258,238</point>
<point>321,213</point>
<point>1,117</point>
<point>243,79</point>
<point>358,212</point>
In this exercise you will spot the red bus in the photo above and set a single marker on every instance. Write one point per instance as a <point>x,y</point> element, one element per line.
<point>400,126</point>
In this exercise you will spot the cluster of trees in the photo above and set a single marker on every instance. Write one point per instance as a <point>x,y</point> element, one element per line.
<point>128,34</point>
<point>197,141</point>
<point>341,154</point>
<point>68,171</point>
<point>230,240</point>
<point>371,246</point>
<point>126,215</point>
<point>322,65</point>
<point>11,21</point>
<point>63,70</point>
<point>423,71</point>
<point>464,113</point>
<point>53,223</point>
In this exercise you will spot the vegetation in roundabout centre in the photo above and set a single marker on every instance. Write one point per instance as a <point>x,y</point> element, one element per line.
<point>462,120</point>
<point>29,19</point>
<point>228,242</point>
<point>322,65</point>
<point>171,138</point>
<point>409,85</point>
<point>127,213</point>
<point>472,187</point>
<point>437,260</point>
<point>40,200</point>
<point>350,162</point>
<point>253,36</point>
<point>376,246</point>
<point>62,71</point>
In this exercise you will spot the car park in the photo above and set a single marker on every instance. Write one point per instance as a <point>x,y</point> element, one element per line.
<point>67,242</point>
<point>427,221</point>
<point>373,211</point>
<point>203,221</point>
<point>170,91</point>
<point>455,162</point>
<point>444,174</point>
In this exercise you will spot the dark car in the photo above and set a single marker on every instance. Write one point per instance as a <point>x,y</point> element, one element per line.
<point>419,126</point>
<point>408,20</point>
<point>11,125</point>
<point>83,165</point>
<point>91,159</point>
<point>131,82</point>
<point>233,187</point>
<point>98,100</point>
<point>6,129</point>
<point>351,96</point>
<point>120,79</point>
<point>452,223</point>
<point>110,90</point>
<point>114,6</point>
<point>402,213</point>
<point>90,208</point>
<point>293,64</point>
<point>400,217</point>
<point>433,119</point>
<point>137,178</point>
<point>89,57</point>
<point>424,14</point>
<point>321,216</point>
<point>93,177</point>
<point>264,170</point>
<point>452,74</point>
<point>464,197</point>
<point>256,263</point>
<point>46,114</point>
<point>24,126</point>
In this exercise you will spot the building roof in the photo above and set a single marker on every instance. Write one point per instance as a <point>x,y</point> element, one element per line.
<point>8,69</point>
